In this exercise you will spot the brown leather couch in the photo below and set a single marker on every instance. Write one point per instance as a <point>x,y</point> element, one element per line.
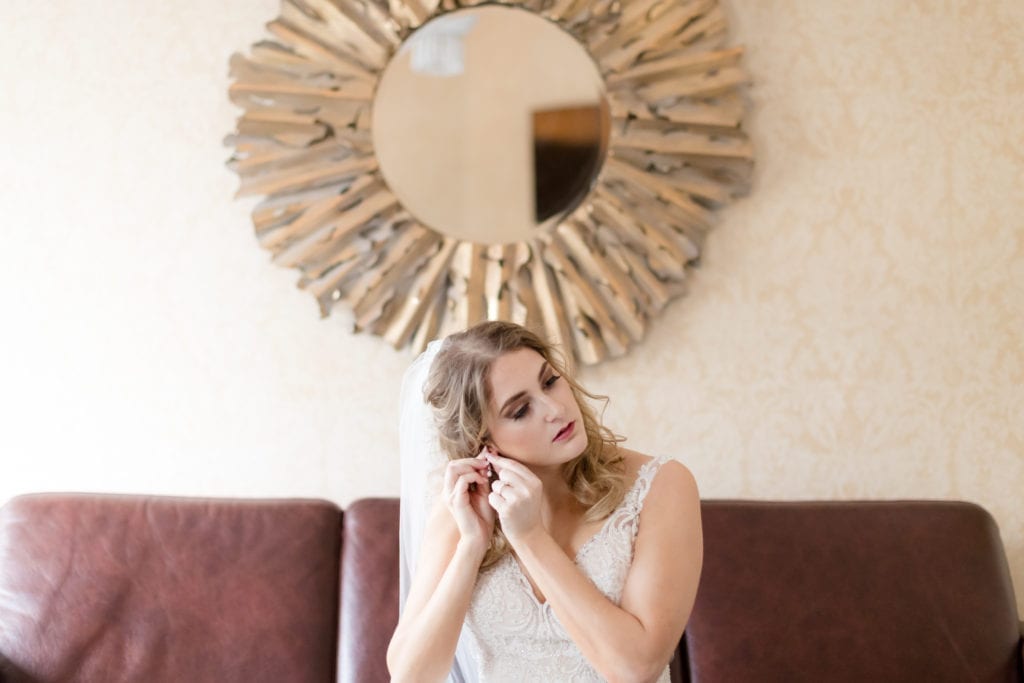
<point>141,588</point>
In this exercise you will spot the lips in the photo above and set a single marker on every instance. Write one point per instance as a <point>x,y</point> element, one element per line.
<point>566,432</point>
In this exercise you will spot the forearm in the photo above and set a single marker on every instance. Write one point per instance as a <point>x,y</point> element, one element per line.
<point>423,650</point>
<point>614,641</point>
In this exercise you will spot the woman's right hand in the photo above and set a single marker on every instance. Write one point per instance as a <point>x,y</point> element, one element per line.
<point>468,503</point>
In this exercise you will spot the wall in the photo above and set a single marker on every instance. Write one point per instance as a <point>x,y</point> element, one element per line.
<point>854,331</point>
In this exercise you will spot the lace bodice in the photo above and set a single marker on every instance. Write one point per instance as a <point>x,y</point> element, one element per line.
<point>518,638</point>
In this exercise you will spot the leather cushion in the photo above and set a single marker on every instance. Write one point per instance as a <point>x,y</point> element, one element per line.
<point>852,591</point>
<point>369,589</point>
<point>143,588</point>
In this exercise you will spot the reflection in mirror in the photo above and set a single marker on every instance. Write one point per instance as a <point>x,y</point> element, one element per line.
<point>490,123</point>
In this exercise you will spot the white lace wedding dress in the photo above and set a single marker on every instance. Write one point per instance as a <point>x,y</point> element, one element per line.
<point>518,638</point>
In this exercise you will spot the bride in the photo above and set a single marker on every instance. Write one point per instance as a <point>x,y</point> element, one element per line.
<point>539,548</point>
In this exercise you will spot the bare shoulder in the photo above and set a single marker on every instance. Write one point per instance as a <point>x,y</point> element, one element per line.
<point>677,478</point>
<point>673,476</point>
<point>671,515</point>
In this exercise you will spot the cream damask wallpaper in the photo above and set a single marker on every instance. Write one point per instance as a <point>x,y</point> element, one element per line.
<point>856,329</point>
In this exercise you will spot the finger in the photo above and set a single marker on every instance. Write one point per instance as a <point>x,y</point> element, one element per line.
<point>461,482</point>
<point>465,480</point>
<point>483,484</point>
<point>498,503</point>
<point>453,472</point>
<point>462,497</point>
<point>480,492</point>
<point>512,496</point>
<point>475,463</point>
<point>501,463</point>
<point>461,466</point>
<point>516,479</point>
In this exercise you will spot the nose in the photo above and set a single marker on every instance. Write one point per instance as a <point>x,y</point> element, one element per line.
<point>553,409</point>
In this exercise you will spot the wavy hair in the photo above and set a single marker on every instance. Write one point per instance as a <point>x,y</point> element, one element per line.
<point>458,390</point>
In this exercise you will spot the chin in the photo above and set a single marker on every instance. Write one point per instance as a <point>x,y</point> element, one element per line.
<point>578,443</point>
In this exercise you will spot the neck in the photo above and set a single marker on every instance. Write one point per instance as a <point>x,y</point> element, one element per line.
<point>557,495</point>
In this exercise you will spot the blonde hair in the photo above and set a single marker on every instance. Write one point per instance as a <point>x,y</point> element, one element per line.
<point>458,390</point>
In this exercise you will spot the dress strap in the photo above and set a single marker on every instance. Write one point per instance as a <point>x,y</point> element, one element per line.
<point>644,479</point>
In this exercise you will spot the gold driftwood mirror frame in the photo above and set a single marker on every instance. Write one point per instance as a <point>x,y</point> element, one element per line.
<point>593,282</point>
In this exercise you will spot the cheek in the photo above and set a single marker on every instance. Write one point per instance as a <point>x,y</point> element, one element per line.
<point>506,435</point>
<point>516,438</point>
<point>568,396</point>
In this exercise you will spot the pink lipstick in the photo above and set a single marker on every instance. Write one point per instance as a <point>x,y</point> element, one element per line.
<point>566,432</point>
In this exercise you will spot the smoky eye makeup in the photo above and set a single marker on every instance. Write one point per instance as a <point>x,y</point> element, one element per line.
<point>547,379</point>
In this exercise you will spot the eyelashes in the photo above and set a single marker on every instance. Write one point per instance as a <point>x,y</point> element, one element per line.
<point>525,409</point>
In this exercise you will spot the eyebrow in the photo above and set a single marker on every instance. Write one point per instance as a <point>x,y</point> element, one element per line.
<point>516,397</point>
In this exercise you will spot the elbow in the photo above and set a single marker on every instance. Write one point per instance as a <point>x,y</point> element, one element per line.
<point>640,662</point>
<point>393,659</point>
<point>637,669</point>
<point>390,658</point>
<point>395,670</point>
<point>402,668</point>
<point>635,676</point>
<point>398,669</point>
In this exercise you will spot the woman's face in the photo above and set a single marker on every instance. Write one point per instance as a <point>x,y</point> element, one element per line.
<point>533,416</point>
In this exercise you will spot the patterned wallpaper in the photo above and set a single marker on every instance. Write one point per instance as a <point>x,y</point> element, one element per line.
<point>856,329</point>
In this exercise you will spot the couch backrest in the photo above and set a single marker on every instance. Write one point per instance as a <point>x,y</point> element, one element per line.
<point>369,588</point>
<point>130,588</point>
<point>139,588</point>
<point>852,591</point>
<point>825,591</point>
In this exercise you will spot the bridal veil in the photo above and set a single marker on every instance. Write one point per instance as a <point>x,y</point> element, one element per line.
<point>422,466</point>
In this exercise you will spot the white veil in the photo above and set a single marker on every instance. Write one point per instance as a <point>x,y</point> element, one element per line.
<point>422,464</point>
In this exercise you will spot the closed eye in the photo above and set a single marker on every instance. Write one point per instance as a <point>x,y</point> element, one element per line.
<point>525,409</point>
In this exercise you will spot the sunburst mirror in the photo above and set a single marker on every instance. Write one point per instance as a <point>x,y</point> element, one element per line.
<point>434,164</point>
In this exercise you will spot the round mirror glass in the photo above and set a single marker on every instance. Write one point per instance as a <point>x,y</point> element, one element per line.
<point>490,123</point>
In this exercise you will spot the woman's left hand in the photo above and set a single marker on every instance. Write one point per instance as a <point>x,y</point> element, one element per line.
<point>516,497</point>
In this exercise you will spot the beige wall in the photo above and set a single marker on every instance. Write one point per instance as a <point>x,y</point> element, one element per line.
<point>855,330</point>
